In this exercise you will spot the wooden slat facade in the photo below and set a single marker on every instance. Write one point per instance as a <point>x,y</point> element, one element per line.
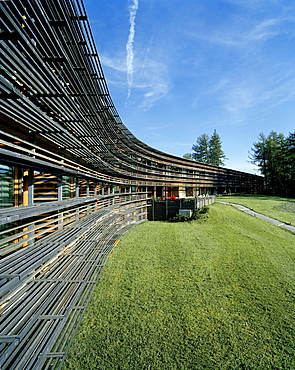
<point>73,178</point>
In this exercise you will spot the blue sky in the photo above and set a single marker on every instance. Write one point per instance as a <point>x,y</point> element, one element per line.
<point>179,68</point>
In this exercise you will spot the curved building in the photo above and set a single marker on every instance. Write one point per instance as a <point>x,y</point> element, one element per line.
<point>73,178</point>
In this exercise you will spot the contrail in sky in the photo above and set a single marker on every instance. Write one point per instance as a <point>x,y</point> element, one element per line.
<point>129,45</point>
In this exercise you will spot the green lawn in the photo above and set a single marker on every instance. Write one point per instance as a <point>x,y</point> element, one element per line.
<point>216,294</point>
<point>282,209</point>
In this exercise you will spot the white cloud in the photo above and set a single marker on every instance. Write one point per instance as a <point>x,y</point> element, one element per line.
<point>279,92</point>
<point>155,74</point>
<point>147,72</point>
<point>246,39</point>
<point>239,98</point>
<point>157,91</point>
<point>244,35</point>
<point>116,63</point>
<point>264,30</point>
<point>249,3</point>
<point>129,45</point>
<point>150,77</point>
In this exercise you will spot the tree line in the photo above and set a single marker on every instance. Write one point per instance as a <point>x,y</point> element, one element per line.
<point>274,155</point>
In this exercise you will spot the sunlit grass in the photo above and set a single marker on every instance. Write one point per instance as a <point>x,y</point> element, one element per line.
<point>212,295</point>
<point>282,209</point>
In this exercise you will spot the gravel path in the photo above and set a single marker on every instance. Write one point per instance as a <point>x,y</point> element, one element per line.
<point>259,215</point>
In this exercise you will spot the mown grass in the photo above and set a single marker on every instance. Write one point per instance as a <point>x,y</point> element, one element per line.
<point>217,294</point>
<point>282,209</point>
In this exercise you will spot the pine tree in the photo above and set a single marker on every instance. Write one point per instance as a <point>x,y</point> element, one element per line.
<point>258,156</point>
<point>201,149</point>
<point>187,156</point>
<point>216,154</point>
<point>209,150</point>
<point>275,156</point>
<point>276,162</point>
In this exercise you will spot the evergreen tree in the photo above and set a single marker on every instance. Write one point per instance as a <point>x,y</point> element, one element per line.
<point>276,163</point>
<point>216,154</point>
<point>275,156</point>
<point>290,150</point>
<point>209,150</point>
<point>201,149</point>
<point>187,156</point>
<point>258,156</point>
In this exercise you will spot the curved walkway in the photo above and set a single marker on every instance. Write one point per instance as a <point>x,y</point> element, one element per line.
<point>259,215</point>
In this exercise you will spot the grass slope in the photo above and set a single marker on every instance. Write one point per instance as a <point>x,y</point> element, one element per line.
<point>282,209</point>
<point>213,295</point>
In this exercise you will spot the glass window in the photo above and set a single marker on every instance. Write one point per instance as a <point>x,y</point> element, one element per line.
<point>6,186</point>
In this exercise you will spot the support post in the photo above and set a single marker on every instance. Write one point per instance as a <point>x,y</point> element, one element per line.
<point>87,188</point>
<point>28,187</point>
<point>59,188</point>
<point>59,198</point>
<point>28,199</point>
<point>77,188</point>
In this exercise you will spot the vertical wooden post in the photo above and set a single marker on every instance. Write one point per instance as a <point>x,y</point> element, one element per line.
<point>77,188</point>
<point>59,188</point>
<point>16,192</point>
<point>16,186</point>
<point>87,188</point>
<point>28,197</point>
<point>77,193</point>
<point>72,187</point>
<point>194,192</point>
<point>25,188</point>
<point>59,198</point>
<point>28,187</point>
